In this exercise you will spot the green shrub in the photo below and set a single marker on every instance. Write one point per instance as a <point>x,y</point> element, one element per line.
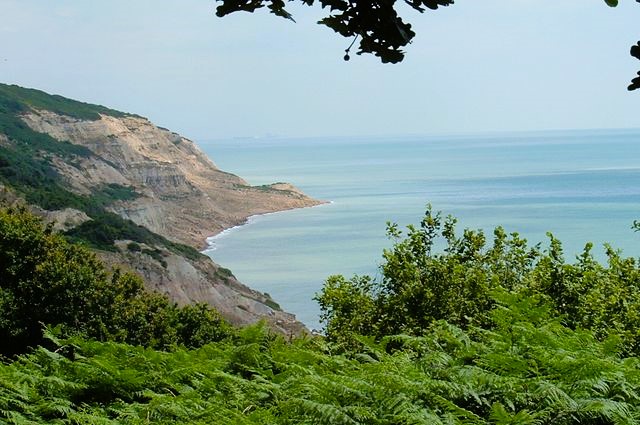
<point>44,279</point>
<point>105,228</point>
<point>197,325</point>
<point>420,285</point>
<point>516,360</point>
<point>134,247</point>
<point>17,99</point>
<point>530,369</point>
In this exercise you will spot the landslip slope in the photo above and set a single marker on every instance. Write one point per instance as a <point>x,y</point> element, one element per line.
<point>112,163</point>
<point>185,196</point>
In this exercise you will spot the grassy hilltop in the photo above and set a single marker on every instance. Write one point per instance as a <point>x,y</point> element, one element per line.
<point>26,166</point>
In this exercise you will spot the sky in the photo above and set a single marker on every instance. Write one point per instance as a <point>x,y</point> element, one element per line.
<point>476,66</point>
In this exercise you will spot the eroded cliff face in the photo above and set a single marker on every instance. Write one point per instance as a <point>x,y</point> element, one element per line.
<point>183,196</point>
<point>183,280</point>
<point>187,281</point>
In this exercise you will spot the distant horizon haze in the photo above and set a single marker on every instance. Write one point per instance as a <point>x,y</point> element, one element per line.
<point>473,67</point>
<point>583,186</point>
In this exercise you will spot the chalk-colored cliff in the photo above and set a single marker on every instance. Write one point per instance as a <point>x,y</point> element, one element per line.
<point>177,192</point>
<point>185,196</point>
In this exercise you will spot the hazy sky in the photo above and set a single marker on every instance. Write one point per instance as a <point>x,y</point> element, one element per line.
<point>479,65</point>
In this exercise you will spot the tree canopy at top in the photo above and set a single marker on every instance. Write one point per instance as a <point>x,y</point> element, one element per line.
<point>375,23</point>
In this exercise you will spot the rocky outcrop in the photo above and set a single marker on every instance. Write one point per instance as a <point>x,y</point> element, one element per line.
<point>187,281</point>
<point>179,194</point>
<point>185,197</point>
<point>65,219</point>
<point>182,279</point>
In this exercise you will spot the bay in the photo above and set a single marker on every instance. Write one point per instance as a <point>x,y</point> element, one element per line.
<point>580,185</point>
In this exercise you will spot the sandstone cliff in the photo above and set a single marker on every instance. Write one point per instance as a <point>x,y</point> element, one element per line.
<point>185,196</point>
<point>56,151</point>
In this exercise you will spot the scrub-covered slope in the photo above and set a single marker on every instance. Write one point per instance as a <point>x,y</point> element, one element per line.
<point>142,195</point>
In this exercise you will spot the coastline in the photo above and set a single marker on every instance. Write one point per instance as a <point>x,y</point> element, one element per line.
<point>210,240</point>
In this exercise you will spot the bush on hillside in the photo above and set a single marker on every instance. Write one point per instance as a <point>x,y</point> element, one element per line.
<point>45,280</point>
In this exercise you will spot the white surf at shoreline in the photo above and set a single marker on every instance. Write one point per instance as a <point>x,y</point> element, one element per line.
<point>252,219</point>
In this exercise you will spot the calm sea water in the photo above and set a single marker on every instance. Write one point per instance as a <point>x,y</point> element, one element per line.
<point>580,185</point>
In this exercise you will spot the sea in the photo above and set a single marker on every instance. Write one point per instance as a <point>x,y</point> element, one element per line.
<point>582,186</point>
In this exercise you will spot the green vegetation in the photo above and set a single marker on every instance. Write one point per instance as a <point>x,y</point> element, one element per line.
<point>274,305</point>
<point>26,166</point>
<point>262,188</point>
<point>157,255</point>
<point>224,273</point>
<point>421,286</point>
<point>528,370</point>
<point>134,247</point>
<point>44,279</point>
<point>471,334</point>
<point>17,99</point>
<point>106,228</point>
<point>115,192</point>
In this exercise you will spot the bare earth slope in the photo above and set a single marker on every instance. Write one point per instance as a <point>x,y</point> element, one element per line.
<point>186,197</point>
<point>179,194</point>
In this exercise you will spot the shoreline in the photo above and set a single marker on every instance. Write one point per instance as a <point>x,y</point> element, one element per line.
<point>210,240</point>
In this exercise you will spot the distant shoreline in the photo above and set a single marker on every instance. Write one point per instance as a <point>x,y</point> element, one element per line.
<point>210,240</point>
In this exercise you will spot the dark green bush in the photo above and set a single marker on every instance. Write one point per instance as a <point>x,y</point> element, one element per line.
<point>134,247</point>
<point>44,279</point>
<point>17,99</point>
<point>530,369</point>
<point>420,285</point>
<point>107,227</point>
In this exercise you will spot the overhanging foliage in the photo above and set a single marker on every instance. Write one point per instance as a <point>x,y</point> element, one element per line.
<point>381,30</point>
